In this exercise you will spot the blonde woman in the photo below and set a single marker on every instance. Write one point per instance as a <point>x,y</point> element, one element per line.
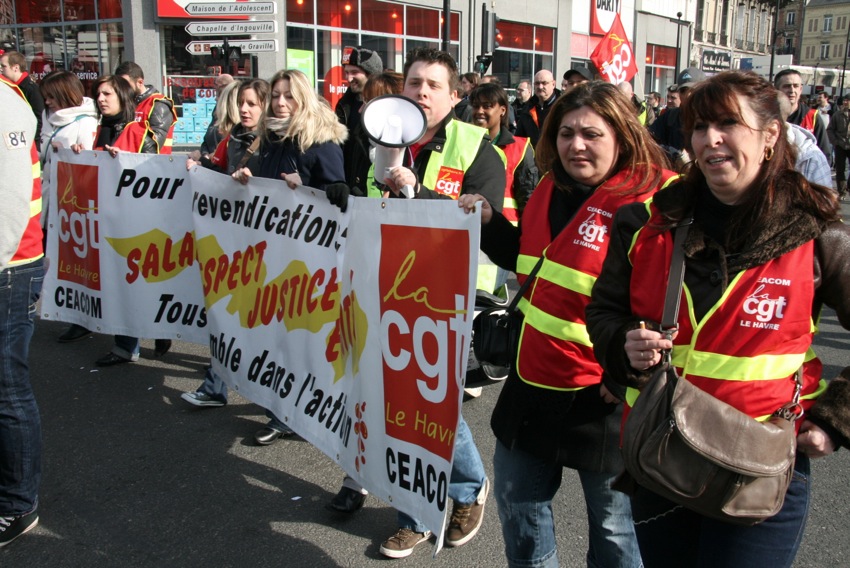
<point>303,139</point>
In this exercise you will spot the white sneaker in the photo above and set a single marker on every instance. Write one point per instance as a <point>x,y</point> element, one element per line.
<point>198,398</point>
<point>473,392</point>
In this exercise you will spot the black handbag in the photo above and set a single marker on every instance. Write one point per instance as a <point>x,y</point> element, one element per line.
<point>495,331</point>
<point>695,450</point>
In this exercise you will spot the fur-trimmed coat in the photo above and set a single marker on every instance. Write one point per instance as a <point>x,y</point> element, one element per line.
<point>709,269</point>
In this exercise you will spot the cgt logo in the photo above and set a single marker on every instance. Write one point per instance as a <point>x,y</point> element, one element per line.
<point>449,181</point>
<point>763,306</point>
<point>424,349</point>
<point>79,240</point>
<point>591,232</point>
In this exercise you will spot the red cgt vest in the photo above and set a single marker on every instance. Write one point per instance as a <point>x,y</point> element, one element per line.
<point>749,345</point>
<point>514,153</point>
<point>555,351</point>
<point>143,113</point>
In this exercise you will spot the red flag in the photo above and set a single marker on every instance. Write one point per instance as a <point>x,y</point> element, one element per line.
<point>613,55</point>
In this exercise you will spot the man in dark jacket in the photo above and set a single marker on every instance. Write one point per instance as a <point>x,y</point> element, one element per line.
<point>152,106</point>
<point>12,65</point>
<point>667,129</point>
<point>359,64</point>
<point>533,114</point>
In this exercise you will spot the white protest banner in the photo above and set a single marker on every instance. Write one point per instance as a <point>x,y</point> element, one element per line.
<point>121,247</point>
<point>352,328</point>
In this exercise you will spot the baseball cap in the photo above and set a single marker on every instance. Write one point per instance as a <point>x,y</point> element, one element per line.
<point>583,71</point>
<point>689,75</point>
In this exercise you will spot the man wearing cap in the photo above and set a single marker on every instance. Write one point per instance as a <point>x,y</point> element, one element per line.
<point>790,82</point>
<point>358,65</point>
<point>574,77</point>
<point>667,130</point>
<point>532,116</point>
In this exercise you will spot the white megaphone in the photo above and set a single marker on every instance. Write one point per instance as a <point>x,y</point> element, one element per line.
<point>392,122</point>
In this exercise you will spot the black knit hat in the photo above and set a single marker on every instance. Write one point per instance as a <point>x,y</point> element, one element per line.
<point>364,58</point>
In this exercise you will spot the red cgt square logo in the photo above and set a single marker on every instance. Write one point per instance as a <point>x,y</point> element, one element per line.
<point>422,309</point>
<point>79,254</point>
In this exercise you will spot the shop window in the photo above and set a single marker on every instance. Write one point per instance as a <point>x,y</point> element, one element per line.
<point>76,10</point>
<point>515,35</point>
<point>84,53</point>
<point>300,11</point>
<point>8,40</point>
<point>7,14</point>
<point>337,13</point>
<point>422,22</point>
<point>544,39</point>
<point>661,55</point>
<point>108,9</point>
<point>383,17</point>
<point>43,48</point>
<point>37,11</point>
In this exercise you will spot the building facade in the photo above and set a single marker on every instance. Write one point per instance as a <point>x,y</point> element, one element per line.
<point>179,43</point>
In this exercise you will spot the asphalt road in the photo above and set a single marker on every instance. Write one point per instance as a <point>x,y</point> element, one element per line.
<point>135,477</point>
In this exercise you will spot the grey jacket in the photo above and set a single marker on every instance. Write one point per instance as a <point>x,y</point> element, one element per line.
<point>837,130</point>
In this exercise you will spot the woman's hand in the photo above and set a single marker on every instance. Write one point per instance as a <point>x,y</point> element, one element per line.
<point>77,148</point>
<point>400,177</point>
<point>242,175</point>
<point>470,201</point>
<point>190,163</point>
<point>644,347</point>
<point>813,441</point>
<point>57,145</point>
<point>113,151</point>
<point>293,180</point>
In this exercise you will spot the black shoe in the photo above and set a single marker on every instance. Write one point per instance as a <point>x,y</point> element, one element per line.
<point>161,347</point>
<point>13,527</point>
<point>267,436</point>
<point>73,333</point>
<point>347,501</point>
<point>111,359</point>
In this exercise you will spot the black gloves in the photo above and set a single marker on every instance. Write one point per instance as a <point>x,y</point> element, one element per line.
<point>338,195</point>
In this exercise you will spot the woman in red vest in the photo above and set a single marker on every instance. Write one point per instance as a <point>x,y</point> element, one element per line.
<point>554,410</point>
<point>765,252</point>
<point>118,131</point>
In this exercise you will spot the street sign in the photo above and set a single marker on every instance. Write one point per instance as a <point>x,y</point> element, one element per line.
<point>247,45</point>
<point>230,8</point>
<point>231,28</point>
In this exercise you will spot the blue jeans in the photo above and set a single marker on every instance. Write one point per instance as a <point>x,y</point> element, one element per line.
<point>670,535</point>
<point>525,486</point>
<point>467,476</point>
<point>20,424</point>
<point>126,347</point>
<point>276,423</point>
<point>214,386</point>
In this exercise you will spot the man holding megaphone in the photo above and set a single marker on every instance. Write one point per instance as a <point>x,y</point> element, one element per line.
<point>450,159</point>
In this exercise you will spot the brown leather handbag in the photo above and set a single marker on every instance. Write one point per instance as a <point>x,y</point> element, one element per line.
<point>695,450</point>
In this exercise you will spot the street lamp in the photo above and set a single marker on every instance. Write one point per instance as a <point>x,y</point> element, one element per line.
<point>678,41</point>
<point>844,65</point>
<point>773,44</point>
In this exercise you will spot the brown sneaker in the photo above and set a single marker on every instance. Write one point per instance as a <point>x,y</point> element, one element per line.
<point>467,519</point>
<point>401,544</point>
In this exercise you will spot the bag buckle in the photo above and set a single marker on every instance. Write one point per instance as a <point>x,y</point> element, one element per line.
<point>667,354</point>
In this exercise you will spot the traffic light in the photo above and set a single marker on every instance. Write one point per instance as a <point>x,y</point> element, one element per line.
<point>482,63</point>
<point>490,35</point>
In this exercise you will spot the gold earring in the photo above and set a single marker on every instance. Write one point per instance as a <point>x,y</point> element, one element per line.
<point>768,153</point>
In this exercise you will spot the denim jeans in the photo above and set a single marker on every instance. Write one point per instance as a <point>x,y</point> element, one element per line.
<point>670,535</point>
<point>126,347</point>
<point>214,386</point>
<point>276,423</point>
<point>525,486</point>
<point>20,424</point>
<point>467,477</point>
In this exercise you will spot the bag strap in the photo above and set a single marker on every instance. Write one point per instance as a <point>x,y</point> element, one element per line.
<point>514,305</point>
<point>78,118</point>
<point>248,153</point>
